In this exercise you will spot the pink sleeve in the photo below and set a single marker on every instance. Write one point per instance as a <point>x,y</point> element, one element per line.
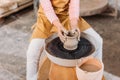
<point>74,9</point>
<point>48,10</point>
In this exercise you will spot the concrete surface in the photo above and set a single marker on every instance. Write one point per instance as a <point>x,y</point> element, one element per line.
<point>112,3</point>
<point>109,76</point>
<point>14,40</point>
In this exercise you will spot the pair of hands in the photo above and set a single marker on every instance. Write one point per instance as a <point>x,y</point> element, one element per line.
<point>61,29</point>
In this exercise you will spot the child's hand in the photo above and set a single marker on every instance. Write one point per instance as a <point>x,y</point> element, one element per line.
<point>61,30</point>
<point>74,27</point>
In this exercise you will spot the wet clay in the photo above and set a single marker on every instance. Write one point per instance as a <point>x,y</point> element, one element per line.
<point>71,41</point>
<point>55,48</point>
<point>90,67</point>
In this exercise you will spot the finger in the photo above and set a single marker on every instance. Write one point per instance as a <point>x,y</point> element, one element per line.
<point>79,34</point>
<point>73,31</point>
<point>62,38</point>
<point>64,30</point>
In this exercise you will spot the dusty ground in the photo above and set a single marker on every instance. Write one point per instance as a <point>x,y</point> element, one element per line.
<point>109,29</point>
<point>14,39</point>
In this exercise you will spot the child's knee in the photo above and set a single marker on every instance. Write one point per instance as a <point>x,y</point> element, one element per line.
<point>34,49</point>
<point>99,40</point>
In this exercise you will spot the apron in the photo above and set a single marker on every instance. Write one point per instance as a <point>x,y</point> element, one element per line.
<point>43,28</point>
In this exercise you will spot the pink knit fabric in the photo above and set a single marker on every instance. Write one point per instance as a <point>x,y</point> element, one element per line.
<point>48,10</point>
<point>74,9</point>
<point>50,14</point>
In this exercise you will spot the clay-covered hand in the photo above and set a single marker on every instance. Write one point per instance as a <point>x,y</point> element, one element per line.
<point>74,27</point>
<point>61,30</point>
<point>61,33</point>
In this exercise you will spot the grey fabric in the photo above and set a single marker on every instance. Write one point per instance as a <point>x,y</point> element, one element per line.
<point>33,56</point>
<point>92,34</point>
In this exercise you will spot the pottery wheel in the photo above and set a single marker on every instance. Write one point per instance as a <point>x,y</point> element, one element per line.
<point>92,7</point>
<point>55,48</point>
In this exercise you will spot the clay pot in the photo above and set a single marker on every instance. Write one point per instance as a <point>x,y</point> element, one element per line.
<point>71,40</point>
<point>61,61</point>
<point>89,69</point>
